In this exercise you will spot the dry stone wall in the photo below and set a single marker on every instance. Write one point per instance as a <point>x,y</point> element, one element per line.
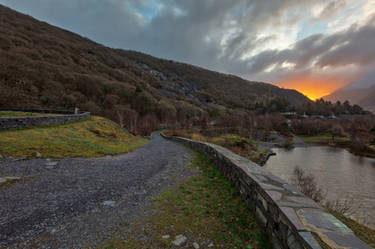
<point>62,117</point>
<point>292,220</point>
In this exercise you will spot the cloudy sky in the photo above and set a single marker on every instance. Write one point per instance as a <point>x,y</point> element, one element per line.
<point>314,46</point>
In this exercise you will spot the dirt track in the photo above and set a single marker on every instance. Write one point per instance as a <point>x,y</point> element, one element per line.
<point>64,205</point>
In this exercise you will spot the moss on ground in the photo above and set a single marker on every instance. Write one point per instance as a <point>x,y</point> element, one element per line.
<point>90,138</point>
<point>206,209</point>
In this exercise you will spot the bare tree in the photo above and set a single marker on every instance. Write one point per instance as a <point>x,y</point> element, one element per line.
<point>346,206</point>
<point>307,185</point>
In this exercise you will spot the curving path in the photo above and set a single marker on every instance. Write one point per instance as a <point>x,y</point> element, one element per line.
<point>77,203</point>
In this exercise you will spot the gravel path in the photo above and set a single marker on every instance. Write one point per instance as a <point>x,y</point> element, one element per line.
<point>78,203</point>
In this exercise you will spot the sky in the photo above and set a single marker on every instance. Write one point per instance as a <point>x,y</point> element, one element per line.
<point>314,46</point>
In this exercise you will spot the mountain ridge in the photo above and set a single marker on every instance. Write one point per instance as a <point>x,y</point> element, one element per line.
<point>49,67</point>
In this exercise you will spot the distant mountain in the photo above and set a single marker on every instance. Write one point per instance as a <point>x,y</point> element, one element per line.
<point>369,101</point>
<point>361,92</point>
<point>45,66</point>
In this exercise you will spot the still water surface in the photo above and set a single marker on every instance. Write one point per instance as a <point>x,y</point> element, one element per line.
<point>339,172</point>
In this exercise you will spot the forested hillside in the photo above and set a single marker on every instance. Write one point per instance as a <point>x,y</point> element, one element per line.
<point>45,66</point>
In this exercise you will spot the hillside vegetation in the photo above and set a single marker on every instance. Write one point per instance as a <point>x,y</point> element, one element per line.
<point>90,138</point>
<point>43,66</point>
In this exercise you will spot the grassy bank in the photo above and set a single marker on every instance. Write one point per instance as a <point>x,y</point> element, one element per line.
<point>206,209</point>
<point>90,138</point>
<point>22,114</point>
<point>339,141</point>
<point>325,139</point>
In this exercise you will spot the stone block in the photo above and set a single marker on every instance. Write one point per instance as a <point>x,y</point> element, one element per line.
<point>274,195</point>
<point>309,240</point>
<point>304,201</point>
<point>292,218</point>
<point>346,240</point>
<point>261,217</point>
<point>320,219</point>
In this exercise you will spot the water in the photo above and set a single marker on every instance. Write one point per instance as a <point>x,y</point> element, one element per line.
<point>340,173</point>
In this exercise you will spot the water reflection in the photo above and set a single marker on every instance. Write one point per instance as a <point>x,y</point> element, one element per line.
<point>336,170</point>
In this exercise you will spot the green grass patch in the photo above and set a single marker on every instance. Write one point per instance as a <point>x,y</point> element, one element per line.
<point>207,208</point>
<point>90,138</point>
<point>23,114</point>
<point>361,231</point>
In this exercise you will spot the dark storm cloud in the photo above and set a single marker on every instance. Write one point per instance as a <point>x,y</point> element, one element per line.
<point>195,35</point>
<point>217,34</point>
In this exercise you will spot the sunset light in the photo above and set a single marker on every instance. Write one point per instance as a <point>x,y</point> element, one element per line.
<point>312,87</point>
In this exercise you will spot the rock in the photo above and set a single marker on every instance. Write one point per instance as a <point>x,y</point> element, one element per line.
<point>165,236</point>
<point>179,240</point>
<point>211,245</point>
<point>12,178</point>
<point>1,157</point>
<point>37,154</point>
<point>51,164</point>
<point>196,245</point>
<point>109,203</point>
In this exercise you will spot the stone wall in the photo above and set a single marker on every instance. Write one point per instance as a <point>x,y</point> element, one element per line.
<point>63,117</point>
<point>292,220</point>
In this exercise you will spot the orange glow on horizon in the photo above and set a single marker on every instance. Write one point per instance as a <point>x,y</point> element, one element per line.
<point>313,88</point>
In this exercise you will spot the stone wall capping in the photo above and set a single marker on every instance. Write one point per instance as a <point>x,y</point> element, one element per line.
<point>290,218</point>
<point>62,117</point>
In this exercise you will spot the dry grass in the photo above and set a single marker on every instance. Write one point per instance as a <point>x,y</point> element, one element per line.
<point>91,138</point>
<point>240,145</point>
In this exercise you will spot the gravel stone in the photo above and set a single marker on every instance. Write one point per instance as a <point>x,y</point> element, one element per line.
<point>179,240</point>
<point>109,203</point>
<point>51,164</point>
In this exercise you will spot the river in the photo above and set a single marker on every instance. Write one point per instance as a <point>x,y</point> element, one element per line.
<point>340,173</point>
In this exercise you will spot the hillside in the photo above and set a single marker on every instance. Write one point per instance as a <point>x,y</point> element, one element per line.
<point>361,92</point>
<point>369,100</point>
<point>45,66</point>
